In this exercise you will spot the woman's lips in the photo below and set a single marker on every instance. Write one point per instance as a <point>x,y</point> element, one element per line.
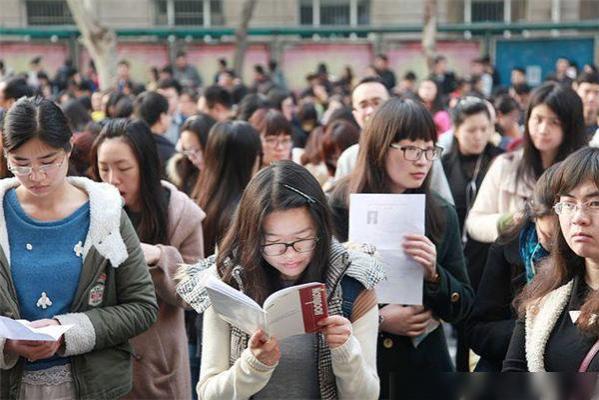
<point>581,237</point>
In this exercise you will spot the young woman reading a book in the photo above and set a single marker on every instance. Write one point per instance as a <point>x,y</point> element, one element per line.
<point>281,235</point>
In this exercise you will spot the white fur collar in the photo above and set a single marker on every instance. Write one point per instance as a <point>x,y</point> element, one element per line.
<point>540,320</point>
<point>105,219</point>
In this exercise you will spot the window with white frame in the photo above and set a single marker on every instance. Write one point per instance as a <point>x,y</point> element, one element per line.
<point>495,11</point>
<point>48,12</point>
<point>189,12</point>
<point>487,11</point>
<point>334,12</point>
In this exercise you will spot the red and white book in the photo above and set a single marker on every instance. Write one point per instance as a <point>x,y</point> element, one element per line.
<point>291,311</point>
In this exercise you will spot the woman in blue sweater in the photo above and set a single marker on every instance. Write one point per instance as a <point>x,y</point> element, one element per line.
<point>68,255</point>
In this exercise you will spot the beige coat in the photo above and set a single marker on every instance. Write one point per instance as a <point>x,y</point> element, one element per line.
<point>161,361</point>
<point>498,195</point>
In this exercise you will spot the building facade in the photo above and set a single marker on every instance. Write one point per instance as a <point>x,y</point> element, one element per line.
<point>204,29</point>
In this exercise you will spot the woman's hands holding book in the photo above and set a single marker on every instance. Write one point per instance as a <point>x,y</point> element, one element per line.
<point>266,350</point>
<point>336,330</point>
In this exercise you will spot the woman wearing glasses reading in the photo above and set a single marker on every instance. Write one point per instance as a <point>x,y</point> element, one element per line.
<point>554,128</point>
<point>558,328</point>
<point>69,255</point>
<point>397,150</point>
<point>281,235</point>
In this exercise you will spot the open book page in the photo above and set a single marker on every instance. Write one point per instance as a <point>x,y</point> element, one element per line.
<point>383,220</point>
<point>234,307</point>
<point>295,310</point>
<point>20,330</point>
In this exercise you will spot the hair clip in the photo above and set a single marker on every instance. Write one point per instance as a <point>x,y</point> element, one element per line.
<point>310,199</point>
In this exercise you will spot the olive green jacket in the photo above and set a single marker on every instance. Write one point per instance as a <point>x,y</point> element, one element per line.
<point>115,300</point>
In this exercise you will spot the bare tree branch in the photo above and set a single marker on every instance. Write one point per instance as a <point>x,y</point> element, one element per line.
<point>99,40</point>
<point>429,32</point>
<point>247,11</point>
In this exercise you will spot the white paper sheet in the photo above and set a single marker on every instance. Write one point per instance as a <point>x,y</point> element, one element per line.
<point>20,330</point>
<point>383,220</point>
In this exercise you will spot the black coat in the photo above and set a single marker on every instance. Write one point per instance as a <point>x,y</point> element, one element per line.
<point>459,170</point>
<point>491,324</point>
<point>401,365</point>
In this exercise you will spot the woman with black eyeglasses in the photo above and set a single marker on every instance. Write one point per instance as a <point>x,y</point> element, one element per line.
<point>397,150</point>
<point>281,235</point>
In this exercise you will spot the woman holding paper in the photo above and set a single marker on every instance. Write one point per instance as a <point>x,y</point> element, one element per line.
<point>397,150</point>
<point>69,256</point>
<point>558,329</point>
<point>281,236</point>
<point>169,225</point>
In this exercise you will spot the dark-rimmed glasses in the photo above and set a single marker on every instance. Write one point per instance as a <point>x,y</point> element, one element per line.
<point>300,246</point>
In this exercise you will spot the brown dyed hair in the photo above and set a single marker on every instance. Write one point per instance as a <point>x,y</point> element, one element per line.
<point>395,120</point>
<point>266,193</point>
<point>338,136</point>
<point>563,264</point>
<point>539,205</point>
<point>270,122</point>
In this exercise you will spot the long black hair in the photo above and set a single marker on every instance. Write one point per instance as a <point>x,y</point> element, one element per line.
<point>566,104</point>
<point>229,158</point>
<point>154,208</point>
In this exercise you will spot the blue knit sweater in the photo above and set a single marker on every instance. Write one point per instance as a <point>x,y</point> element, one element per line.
<point>45,262</point>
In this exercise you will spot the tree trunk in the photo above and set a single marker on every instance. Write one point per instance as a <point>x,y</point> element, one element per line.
<point>241,34</point>
<point>429,33</point>
<point>99,40</point>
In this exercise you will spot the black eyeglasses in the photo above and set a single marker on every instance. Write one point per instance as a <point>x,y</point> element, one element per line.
<point>413,153</point>
<point>301,246</point>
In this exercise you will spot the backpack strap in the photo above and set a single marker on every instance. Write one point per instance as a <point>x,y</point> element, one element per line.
<point>350,289</point>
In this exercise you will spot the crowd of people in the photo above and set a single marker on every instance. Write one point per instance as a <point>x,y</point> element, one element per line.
<point>117,203</point>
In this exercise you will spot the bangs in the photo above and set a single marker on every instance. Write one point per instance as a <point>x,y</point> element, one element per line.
<point>580,167</point>
<point>276,124</point>
<point>415,123</point>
